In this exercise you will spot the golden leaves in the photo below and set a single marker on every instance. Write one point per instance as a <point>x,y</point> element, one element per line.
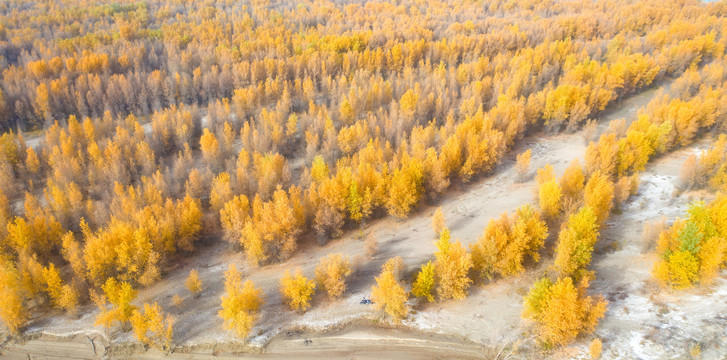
<point>331,273</point>
<point>561,310</point>
<point>297,290</point>
<point>153,326</point>
<point>507,241</point>
<point>575,242</point>
<point>388,294</point>
<point>193,283</point>
<point>452,267</point>
<point>240,303</point>
<point>12,311</point>
<point>693,250</point>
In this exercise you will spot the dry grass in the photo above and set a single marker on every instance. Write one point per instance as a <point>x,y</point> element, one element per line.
<point>177,301</point>
<point>522,166</point>
<point>371,244</point>
<point>589,131</point>
<point>617,127</point>
<point>688,175</point>
<point>624,188</point>
<point>650,233</point>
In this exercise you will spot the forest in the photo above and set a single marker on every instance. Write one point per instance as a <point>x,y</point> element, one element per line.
<point>137,134</point>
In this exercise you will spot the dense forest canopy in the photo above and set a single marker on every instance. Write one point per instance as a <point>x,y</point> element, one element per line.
<point>134,129</point>
<point>86,58</point>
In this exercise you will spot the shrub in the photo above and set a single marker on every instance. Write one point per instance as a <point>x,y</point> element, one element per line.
<point>424,282</point>
<point>452,267</point>
<point>595,349</point>
<point>153,326</point>
<point>240,303</point>
<point>562,311</point>
<point>388,294</point>
<point>331,274</point>
<point>194,284</point>
<point>693,250</point>
<point>297,290</point>
<point>522,164</point>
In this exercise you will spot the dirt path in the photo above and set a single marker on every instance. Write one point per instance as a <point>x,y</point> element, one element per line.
<point>490,315</point>
<point>388,344</point>
<point>354,343</point>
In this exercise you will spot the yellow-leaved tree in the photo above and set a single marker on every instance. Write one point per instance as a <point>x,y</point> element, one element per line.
<point>549,193</point>
<point>297,290</point>
<point>438,223</point>
<point>73,253</point>
<point>571,185</point>
<point>522,164</point>
<point>331,274</point>
<point>194,284</point>
<point>273,229</point>
<point>120,295</point>
<point>452,266</point>
<point>32,163</point>
<point>508,241</point>
<point>408,102</point>
<point>575,242</point>
<point>405,187</point>
<point>62,296</point>
<point>12,312</point>
<point>319,169</point>
<point>220,192</point>
<point>233,216</point>
<point>240,303</point>
<point>424,282</point>
<point>210,147</point>
<point>153,326</point>
<point>562,311</point>
<point>347,111</point>
<point>693,250</point>
<point>388,294</point>
<point>598,195</point>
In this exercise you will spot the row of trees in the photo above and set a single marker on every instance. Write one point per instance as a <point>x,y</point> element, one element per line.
<point>585,197</point>
<point>449,276</point>
<point>559,304</point>
<point>149,323</point>
<point>692,250</point>
<point>242,301</point>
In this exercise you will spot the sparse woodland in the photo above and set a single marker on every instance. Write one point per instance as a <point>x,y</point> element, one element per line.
<point>137,132</point>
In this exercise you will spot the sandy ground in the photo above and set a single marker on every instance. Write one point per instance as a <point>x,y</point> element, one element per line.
<point>486,321</point>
